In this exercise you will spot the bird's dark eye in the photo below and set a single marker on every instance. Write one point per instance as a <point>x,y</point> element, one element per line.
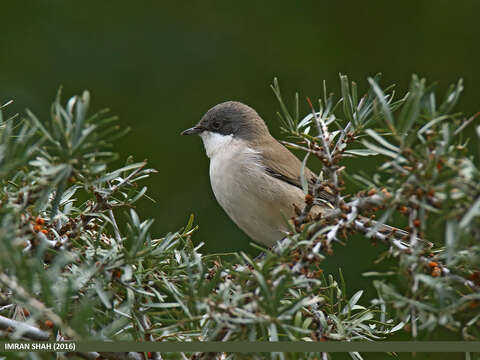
<point>216,124</point>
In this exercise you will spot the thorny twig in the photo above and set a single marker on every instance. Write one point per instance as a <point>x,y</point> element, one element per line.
<point>102,204</point>
<point>25,330</point>
<point>394,237</point>
<point>34,303</point>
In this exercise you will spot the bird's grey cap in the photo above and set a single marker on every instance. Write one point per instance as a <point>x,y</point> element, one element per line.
<point>231,118</point>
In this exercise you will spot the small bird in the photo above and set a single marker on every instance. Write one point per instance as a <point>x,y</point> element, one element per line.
<point>255,179</point>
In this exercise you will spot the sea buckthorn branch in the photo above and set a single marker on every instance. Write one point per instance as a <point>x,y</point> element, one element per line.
<point>34,333</point>
<point>26,330</point>
<point>136,287</point>
<point>32,302</point>
<point>425,167</point>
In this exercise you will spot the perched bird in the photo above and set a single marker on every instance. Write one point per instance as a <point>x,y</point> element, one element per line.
<point>255,179</point>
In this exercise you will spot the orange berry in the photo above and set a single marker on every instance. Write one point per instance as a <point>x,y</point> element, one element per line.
<point>436,272</point>
<point>44,231</point>
<point>416,223</point>
<point>26,313</point>
<point>474,276</point>
<point>40,221</point>
<point>37,228</point>
<point>432,264</point>
<point>49,324</point>
<point>385,192</point>
<point>308,199</point>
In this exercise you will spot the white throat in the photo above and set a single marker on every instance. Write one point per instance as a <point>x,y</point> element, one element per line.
<point>215,143</point>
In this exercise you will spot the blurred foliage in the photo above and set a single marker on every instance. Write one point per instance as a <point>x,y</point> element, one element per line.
<point>69,269</point>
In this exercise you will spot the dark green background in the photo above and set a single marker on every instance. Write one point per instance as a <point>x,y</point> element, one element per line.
<point>160,65</point>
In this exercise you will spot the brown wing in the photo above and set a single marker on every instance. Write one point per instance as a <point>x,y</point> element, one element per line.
<point>281,164</point>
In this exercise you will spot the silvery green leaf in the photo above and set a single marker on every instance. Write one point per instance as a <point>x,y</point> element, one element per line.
<point>451,238</point>
<point>474,211</point>
<point>361,152</point>
<point>384,151</point>
<point>303,180</point>
<point>367,315</point>
<point>397,327</point>
<point>126,273</point>
<point>353,300</point>
<point>382,140</point>
<point>114,174</point>
<point>307,120</point>
<point>162,305</point>
<point>452,97</point>
<point>382,98</point>
<point>355,355</point>
<point>272,332</point>
<point>104,297</point>
<point>307,322</point>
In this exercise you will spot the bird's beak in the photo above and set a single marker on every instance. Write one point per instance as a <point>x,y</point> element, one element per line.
<point>197,129</point>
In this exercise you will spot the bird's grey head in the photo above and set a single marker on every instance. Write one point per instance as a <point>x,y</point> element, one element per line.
<point>231,118</point>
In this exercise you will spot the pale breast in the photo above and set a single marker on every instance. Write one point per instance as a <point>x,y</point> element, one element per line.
<point>258,203</point>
